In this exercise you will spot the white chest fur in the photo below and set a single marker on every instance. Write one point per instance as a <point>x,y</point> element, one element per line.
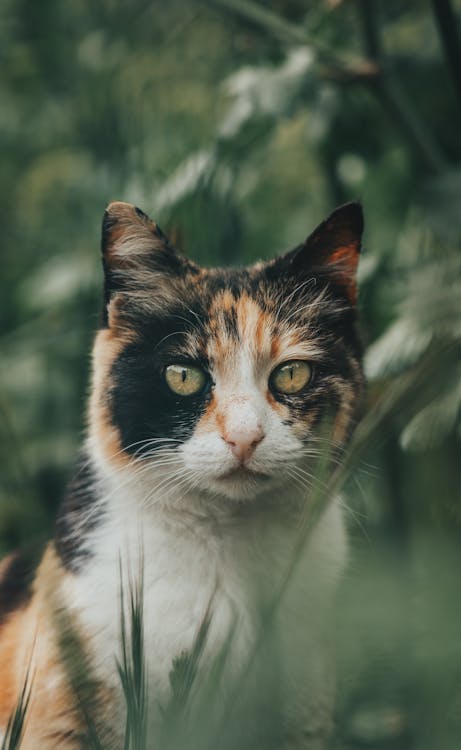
<point>232,565</point>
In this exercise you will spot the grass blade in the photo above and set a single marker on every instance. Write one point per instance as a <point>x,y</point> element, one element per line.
<point>131,668</point>
<point>16,722</point>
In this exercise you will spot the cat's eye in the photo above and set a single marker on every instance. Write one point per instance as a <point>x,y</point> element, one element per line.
<point>291,377</point>
<point>185,380</point>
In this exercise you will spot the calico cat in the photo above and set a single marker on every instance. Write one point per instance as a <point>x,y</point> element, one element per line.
<point>210,393</point>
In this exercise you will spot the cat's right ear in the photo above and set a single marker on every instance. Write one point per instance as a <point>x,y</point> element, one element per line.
<point>331,252</point>
<point>135,252</point>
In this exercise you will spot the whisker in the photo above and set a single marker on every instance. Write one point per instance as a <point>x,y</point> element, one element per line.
<point>299,481</point>
<point>192,313</point>
<point>313,304</point>
<point>140,443</point>
<point>296,290</point>
<point>176,481</point>
<point>357,520</point>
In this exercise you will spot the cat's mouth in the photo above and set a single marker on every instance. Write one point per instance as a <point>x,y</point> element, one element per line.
<point>242,473</point>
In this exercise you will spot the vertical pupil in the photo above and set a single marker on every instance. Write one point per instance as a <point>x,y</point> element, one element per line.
<point>183,375</point>
<point>292,369</point>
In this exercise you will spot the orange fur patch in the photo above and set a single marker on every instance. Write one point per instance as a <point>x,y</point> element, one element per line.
<point>275,347</point>
<point>347,259</point>
<point>107,348</point>
<point>26,642</point>
<point>30,638</point>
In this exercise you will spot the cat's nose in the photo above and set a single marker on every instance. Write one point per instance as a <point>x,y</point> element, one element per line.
<point>243,442</point>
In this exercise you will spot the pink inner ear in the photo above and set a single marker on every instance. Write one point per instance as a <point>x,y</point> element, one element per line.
<point>346,260</point>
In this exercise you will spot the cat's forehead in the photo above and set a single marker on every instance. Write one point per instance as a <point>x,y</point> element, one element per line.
<point>249,325</point>
<point>215,315</point>
<point>234,320</point>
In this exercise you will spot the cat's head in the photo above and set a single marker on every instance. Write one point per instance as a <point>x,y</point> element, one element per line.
<point>219,380</point>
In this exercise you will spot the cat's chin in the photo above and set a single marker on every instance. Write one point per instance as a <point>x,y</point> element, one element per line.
<point>241,484</point>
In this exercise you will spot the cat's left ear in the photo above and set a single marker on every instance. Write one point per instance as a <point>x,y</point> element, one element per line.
<point>332,250</point>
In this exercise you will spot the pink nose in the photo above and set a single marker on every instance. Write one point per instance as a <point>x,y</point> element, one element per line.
<point>243,443</point>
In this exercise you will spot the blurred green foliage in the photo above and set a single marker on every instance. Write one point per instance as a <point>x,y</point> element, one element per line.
<point>239,125</point>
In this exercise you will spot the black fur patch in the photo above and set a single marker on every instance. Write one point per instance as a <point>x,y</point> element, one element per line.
<point>15,584</point>
<point>74,522</point>
<point>141,213</point>
<point>230,324</point>
<point>142,405</point>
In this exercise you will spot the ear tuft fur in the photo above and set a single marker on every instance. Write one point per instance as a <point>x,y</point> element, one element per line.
<point>128,234</point>
<point>136,255</point>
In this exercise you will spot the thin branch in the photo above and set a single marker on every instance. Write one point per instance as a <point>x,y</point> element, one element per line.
<point>448,29</point>
<point>288,33</point>
<point>394,98</point>
<point>396,101</point>
<point>282,30</point>
<point>372,40</point>
<point>365,71</point>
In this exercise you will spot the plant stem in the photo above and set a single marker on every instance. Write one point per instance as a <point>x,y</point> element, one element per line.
<point>287,33</point>
<point>447,24</point>
<point>398,105</point>
<point>393,97</point>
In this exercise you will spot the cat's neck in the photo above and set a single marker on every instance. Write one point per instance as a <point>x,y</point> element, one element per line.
<point>112,511</point>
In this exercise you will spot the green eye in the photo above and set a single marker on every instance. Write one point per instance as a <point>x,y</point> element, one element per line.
<point>185,380</point>
<point>291,377</point>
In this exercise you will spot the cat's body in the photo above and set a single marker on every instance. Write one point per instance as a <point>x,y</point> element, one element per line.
<point>209,392</point>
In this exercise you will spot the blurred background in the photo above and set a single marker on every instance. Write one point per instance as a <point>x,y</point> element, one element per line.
<point>239,125</point>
